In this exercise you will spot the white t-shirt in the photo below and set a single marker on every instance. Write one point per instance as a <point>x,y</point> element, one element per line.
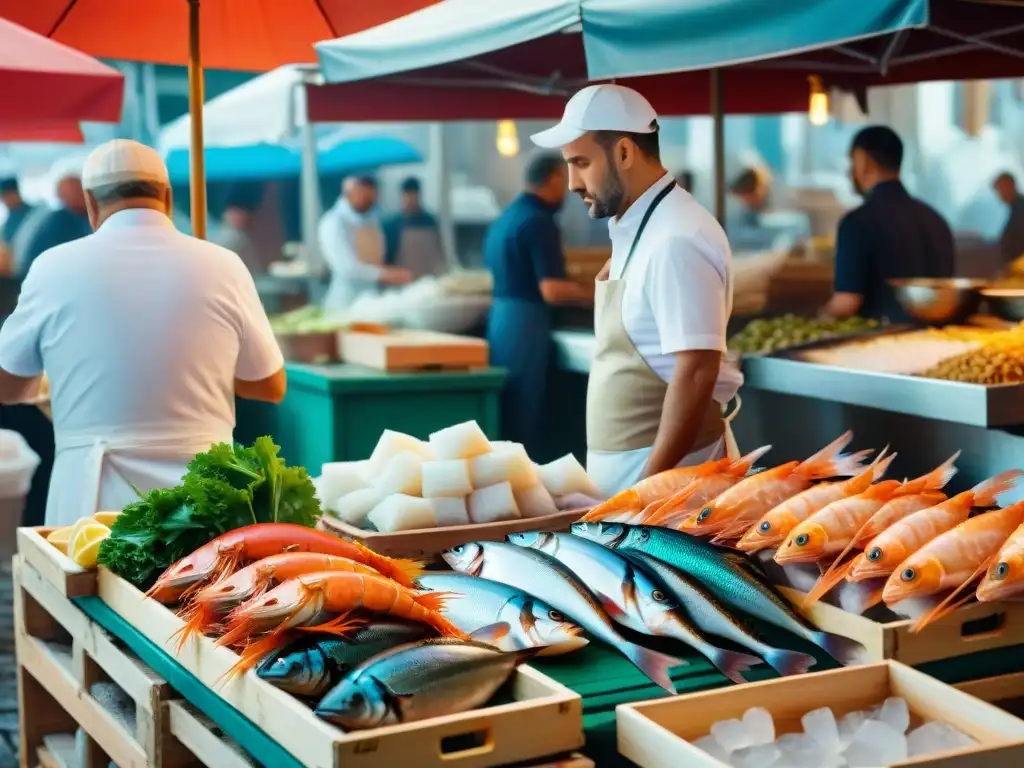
<point>140,327</point>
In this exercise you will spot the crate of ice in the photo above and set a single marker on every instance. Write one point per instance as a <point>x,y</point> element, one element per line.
<point>878,714</point>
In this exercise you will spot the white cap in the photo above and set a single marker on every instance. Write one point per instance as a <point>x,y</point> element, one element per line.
<point>604,107</point>
<point>123,160</point>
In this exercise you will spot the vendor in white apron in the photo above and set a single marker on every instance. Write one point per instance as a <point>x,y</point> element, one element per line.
<point>412,235</point>
<point>659,382</point>
<point>352,244</point>
<point>145,335</point>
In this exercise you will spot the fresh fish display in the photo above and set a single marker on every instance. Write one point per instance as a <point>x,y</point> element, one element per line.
<point>548,579</point>
<point>710,616</point>
<point>730,577</point>
<point>224,555</point>
<point>310,666</point>
<point>484,603</point>
<point>415,682</point>
<point>773,528</point>
<point>631,597</point>
<point>1004,577</point>
<point>733,512</point>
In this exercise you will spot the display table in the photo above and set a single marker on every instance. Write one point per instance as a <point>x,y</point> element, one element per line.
<point>337,412</point>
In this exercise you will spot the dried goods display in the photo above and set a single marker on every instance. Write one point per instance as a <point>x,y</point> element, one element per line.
<point>775,333</point>
<point>998,361</point>
<point>902,353</point>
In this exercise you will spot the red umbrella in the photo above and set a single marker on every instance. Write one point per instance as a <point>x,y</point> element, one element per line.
<point>41,130</point>
<point>42,80</point>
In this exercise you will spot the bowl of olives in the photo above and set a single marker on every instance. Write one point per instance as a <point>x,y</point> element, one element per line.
<point>772,334</point>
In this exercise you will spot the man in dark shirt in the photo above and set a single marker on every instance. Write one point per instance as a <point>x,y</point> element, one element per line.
<point>17,210</point>
<point>1011,242</point>
<point>68,221</point>
<point>412,238</point>
<point>891,235</point>
<point>523,251</point>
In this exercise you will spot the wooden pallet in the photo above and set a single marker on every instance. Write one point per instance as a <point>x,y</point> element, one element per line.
<point>53,688</point>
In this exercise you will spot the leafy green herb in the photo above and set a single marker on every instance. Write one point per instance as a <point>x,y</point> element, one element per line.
<point>225,488</point>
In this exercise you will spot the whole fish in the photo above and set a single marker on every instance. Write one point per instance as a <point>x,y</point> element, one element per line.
<point>773,528</point>
<point>631,597</point>
<point>221,557</point>
<point>483,603</point>
<point>545,577</point>
<point>952,560</point>
<point>710,616</point>
<point>731,514</point>
<point>1004,576</point>
<point>728,576</point>
<point>313,665</point>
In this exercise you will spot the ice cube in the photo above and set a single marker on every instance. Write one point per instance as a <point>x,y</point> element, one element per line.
<point>895,713</point>
<point>874,744</point>
<point>936,737</point>
<point>731,734</point>
<point>758,722</point>
<point>757,756</point>
<point>798,750</point>
<point>710,746</point>
<point>849,725</point>
<point>820,725</point>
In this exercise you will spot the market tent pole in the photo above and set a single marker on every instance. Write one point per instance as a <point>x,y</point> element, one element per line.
<point>718,118</point>
<point>442,167</point>
<point>197,179</point>
<point>309,186</point>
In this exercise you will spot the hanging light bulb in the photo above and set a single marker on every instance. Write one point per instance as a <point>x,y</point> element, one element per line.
<point>818,110</point>
<point>507,140</point>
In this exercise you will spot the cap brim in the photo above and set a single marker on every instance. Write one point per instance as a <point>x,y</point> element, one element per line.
<point>556,137</point>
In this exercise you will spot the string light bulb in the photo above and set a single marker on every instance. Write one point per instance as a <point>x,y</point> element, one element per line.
<point>818,109</point>
<point>507,141</point>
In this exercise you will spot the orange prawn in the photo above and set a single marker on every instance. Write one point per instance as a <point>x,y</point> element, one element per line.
<point>252,581</point>
<point>302,601</point>
<point>221,557</point>
<point>1005,577</point>
<point>731,513</point>
<point>772,529</point>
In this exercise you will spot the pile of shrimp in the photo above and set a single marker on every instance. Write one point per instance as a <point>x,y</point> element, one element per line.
<point>253,586</point>
<point>898,540</point>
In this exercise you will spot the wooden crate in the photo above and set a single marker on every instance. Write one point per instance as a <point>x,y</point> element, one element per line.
<point>545,719</point>
<point>54,689</point>
<point>432,541</point>
<point>412,350</point>
<point>203,739</point>
<point>1005,691</point>
<point>54,566</point>
<point>973,628</point>
<point>658,734</point>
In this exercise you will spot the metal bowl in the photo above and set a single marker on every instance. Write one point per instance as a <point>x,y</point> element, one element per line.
<point>939,301</point>
<point>1007,303</point>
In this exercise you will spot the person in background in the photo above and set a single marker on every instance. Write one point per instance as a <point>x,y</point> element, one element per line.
<point>658,381</point>
<point>352,244</point>
<point>685,180</point>
<point>145,335</point>
<point>523,251</point>
<point>1011,242</point>
<point>52,227</point>
<point>236,231</point>
<point>891,235</point>
<point>17,210</point>
<point>750,190</point>
<point>412,237</point>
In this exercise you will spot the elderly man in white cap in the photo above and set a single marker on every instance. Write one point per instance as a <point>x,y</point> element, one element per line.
<point>145,335</point>
<point>658,383</point>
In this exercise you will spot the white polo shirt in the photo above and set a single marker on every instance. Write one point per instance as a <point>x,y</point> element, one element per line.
<point>678,293</point>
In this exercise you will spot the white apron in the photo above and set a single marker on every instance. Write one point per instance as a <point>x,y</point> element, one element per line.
<point>367,241</point>
<point>93,472</point>
<point>419,251</point>
<point>625,396</point>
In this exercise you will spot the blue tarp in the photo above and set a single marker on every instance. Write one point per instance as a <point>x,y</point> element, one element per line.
<point>621,38</point>
<point>275,161</point>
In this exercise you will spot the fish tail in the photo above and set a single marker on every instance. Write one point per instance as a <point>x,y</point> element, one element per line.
<point>744,464</point>
<point>881,464</point>
<point>830,461</point>
<point>402,570</point>
<point>653,664</point>
<point>342,625</point>
<point>935,480</point>
<point>954,599</point>
<point>986,493</point>
<point>620,502</point>
<point>827,581</point>
<point>732,664</point>
<point>789,662</point>
<point>843,649</point>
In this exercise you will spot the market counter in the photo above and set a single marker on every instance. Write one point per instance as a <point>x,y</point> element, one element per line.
<point>337,412</point>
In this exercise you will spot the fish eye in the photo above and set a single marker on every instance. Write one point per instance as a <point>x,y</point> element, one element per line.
<point>801,540</point>
<point>658,596</point>
<point>704,514</point>
<point>458,550</point>
<point>875,554</point>
<point>555,616</point>
<point>1002,571</point>
<point>908,574</point>
<point>644,534</point>
<point>356,699</point>
<point>764,527</point>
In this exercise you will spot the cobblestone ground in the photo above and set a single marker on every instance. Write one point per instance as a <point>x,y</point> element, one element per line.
<point>8,673</point>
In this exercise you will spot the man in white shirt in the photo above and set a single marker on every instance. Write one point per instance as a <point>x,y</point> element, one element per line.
<point>145,335</point>
<point>352,243</point>
<point>659,382</point>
